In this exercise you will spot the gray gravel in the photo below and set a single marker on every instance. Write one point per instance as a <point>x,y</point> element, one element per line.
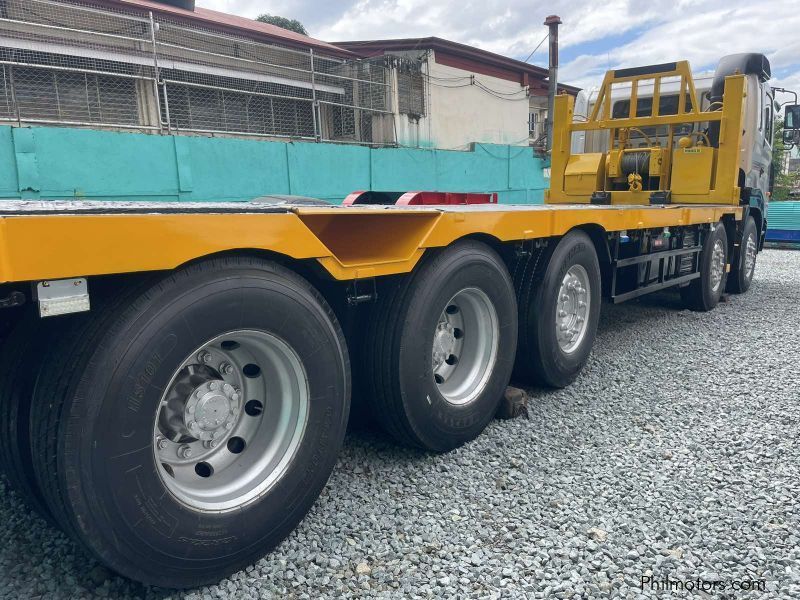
<point>675,454</point>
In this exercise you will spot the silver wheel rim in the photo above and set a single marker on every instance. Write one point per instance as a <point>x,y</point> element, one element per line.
<point>465,346</point>
<point>231,420</point>
<point>717,264</point>
<point>572,309</point>
<point>750,251</point>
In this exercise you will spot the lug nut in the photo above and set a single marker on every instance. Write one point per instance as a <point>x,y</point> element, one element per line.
<point>226,368</point>
<point>185,451</point>
<point>162,443</point>
<point>204,357</point>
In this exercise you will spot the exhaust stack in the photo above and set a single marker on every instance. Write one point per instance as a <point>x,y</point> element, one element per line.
<point>553,21</point>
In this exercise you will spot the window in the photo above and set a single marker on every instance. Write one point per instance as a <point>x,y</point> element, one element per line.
<point>203,109</point>
<point>533,122</point>
<point>411,93</point>
<point>667,105</point>
<point>47,95</point>
<point>768,120</point>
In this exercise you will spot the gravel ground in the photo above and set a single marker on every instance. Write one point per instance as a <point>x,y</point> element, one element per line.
<point>674,455</point>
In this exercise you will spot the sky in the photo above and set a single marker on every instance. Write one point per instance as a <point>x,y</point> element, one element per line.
<point>595,36</point>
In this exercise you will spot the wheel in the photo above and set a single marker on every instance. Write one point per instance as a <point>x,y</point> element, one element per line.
<point>559,306</point>
<point>441,348</point>
<point>182,435</point>
<point>20,362</point>
<point>703,293</point>
<point>744,265</point>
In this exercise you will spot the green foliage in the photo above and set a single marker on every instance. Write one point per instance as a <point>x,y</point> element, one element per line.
<point>784,182</point>
<point>283,23</point>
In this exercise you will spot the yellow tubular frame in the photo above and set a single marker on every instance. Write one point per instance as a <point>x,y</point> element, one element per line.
<point>725,189</point>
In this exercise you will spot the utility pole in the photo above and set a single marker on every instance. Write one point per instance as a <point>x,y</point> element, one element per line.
<point>553,21</point>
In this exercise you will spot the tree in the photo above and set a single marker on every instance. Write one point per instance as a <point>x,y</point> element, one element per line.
<point>284,23</point>
<point>784,182</point>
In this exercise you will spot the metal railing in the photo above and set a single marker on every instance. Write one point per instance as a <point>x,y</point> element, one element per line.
<point>72,63</point>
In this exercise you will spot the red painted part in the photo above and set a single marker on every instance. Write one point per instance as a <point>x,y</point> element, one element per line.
<point>352,198</point>
<point>444,198</point>
<point>418,198</point>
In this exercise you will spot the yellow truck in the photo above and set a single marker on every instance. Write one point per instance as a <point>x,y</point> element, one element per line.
<point>176,378</point>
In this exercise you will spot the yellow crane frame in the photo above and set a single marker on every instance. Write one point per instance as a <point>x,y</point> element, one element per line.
<point>720,166</point>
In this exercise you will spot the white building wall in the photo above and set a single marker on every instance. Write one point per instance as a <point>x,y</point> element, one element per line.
<point>459,111</point>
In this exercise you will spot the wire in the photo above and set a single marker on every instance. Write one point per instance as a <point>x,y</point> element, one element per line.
<point>499,93</point>
<point>451,87</point>
<point>537,47</point>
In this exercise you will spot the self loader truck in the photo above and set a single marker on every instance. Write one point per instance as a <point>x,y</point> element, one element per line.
<point>176,378</point>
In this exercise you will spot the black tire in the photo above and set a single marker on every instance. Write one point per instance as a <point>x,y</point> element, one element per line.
<point>20,362</point>
<point>541,359</point>
<point>701,295</point>
<point>405,397</point>
<point>94,412</point>
<point>741,277</point>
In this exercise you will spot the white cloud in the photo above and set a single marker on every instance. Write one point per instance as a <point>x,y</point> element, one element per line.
<point>655,31</point>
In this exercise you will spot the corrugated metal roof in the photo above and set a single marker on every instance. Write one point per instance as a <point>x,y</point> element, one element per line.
<point>783,215</point>
<point>241,25</point>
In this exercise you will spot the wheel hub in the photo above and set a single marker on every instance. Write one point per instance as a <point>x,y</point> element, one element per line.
<point>444,343</point>
<point>717,265</point>
<point>211,408</point>
<point>465,346</point>
<point>750,256</point>
<point>231,420</point>
<point>572,308</point>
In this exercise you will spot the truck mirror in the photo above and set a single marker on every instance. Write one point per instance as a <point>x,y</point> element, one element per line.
<point>792,118</point>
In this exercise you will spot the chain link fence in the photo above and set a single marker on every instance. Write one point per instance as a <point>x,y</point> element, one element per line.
<point>69,62</point>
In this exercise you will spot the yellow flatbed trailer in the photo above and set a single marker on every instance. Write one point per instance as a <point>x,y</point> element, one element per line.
<point>52,240</point>
<point>185,415</point>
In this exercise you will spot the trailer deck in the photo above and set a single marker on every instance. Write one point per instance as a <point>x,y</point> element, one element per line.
<point>55,240</point>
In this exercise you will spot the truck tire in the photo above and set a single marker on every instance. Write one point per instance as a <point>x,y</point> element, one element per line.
<point>20,361</point>
<point>744,263</point>
<point>703,294</point>
<point>440,347</point>
<point>184,434</point>
<point>559,307</point>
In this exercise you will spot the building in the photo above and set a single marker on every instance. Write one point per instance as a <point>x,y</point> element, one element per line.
<point>449,95</point>
<point>144,65</point>
<point>159,100</point>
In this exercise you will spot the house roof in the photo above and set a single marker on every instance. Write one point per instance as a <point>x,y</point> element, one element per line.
<point>233,24</point>
<point>462,56</point>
